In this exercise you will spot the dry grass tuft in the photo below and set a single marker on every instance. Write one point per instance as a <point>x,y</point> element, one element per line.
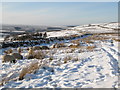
<point>31,68</point>
<point>118,40</point>
<point>12,76</point>
<point>39,54</point>
<point>77,42</point>
<point>74,46</point>
<point>59,45</point>
<point>19,50</point>
<point>8,51</point>
<point>88,41</point>
<point>75,35</point>
<point>70,50</point>
<point>67,58</point>
<point>76,59</point>
<point>30,52</point>
<point>51,58</point>
<point>90,48</point>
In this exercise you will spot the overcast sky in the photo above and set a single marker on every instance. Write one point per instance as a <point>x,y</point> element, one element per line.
<point>58,13</point>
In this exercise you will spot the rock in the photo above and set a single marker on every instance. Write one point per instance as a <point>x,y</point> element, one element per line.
<point>17,56</point>
<point>53,46</point>
<point>8,58</point>
<point>45,47</point>
<point>8,51</point>
<point>19,50</point>
<point>30,57</point>
<point>31,51</point>
<point>36,48</point>
<point>58,45</point>
<point>39,54</point>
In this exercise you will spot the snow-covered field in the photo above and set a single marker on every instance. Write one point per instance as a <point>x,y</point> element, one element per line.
<point>98,28</point>
<point>70,67</point>
<point>63,33</point>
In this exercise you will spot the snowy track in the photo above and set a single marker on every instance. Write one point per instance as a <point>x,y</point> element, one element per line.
<point>92,72</point>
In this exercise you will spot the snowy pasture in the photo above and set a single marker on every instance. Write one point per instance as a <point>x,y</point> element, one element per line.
<point>93,63</point>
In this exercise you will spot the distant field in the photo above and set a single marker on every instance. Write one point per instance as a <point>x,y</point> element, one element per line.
<point>13,30</point>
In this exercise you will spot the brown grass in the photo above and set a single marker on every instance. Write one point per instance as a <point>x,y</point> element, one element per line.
<point>88,41</point>
<point>74,46</point>
<point>118,40</point>
<point>94,37</point>
<point>8,51</point>
<point>90,48</point>
<point>77,42</point>
<point>74,35</point>
<point>62,45</point>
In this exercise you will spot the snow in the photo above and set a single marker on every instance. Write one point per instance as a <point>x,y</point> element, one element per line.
<point>97,69</point>
<point>98,28</point>
<point>63,33</point>
<point>1,39</point>
<point>112,25</point>
<point>85,69</point>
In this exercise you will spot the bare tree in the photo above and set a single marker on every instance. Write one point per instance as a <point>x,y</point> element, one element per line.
<point>45,35</point>
<point>6,37</point>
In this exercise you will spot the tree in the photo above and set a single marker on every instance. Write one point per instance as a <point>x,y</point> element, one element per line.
<point>6,37</point>
<point>45,35</point>
<point>40,35</point>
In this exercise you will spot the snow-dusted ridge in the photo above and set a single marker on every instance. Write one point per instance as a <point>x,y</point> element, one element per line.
<point>84,67</point>
<point>99,28</point>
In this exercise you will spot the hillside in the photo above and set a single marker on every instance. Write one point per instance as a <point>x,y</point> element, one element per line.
<point>79,57</point>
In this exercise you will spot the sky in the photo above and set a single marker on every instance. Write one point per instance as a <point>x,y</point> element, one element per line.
<point>58,13</point>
